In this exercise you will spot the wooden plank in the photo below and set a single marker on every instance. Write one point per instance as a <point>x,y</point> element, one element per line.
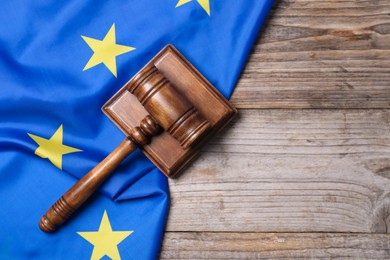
<point>290,171</point>
<point>183,245</point>
<point>320,54</point>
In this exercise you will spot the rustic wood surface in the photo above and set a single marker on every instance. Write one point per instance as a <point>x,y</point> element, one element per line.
<point>304,171</point>
<point>190,245</point>
<point>320,54</point>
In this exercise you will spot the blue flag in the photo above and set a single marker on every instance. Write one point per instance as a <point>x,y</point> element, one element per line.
<point>60,62</point>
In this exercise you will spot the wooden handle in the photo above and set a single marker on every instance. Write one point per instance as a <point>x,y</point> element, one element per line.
<point>84,188</point>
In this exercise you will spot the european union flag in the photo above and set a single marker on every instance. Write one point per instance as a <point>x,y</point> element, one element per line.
<point>60,62</point>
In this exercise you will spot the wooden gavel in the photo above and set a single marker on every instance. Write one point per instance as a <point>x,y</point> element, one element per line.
<point>169,111</point>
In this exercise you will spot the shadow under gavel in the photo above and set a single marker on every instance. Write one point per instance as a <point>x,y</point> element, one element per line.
<point>168,110</point>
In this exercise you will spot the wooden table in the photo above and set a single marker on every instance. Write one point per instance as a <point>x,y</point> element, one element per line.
<point>304,171</point>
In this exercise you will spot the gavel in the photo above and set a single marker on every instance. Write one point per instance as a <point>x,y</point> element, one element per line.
<point>169,111</point>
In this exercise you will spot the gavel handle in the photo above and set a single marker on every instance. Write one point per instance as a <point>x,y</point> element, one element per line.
<point>83,189</point>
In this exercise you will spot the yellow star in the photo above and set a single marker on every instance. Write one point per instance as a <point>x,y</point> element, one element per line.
<point>105,51</point>
<point>105,240</point>
<point>205,4</point>
<point>52,148</point>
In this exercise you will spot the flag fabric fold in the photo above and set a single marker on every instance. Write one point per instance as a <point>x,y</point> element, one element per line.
<point>59,63</point>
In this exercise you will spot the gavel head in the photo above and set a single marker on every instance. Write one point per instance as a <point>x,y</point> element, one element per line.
<point>170,108</point>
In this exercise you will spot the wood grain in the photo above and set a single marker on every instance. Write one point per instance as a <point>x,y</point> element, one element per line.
<point>274,245</point>
<point>320,54</point>
<point>323,170</point>
<point>290,171</point>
